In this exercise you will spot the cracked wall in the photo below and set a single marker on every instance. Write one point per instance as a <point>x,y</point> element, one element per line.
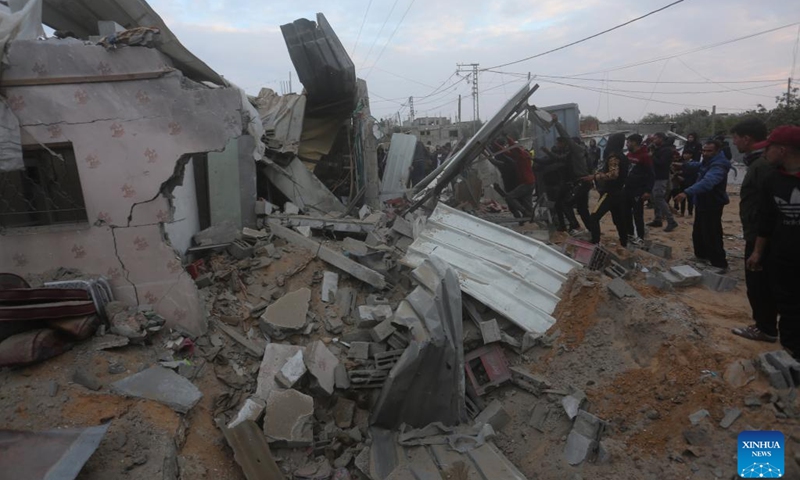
<point>128,137</point>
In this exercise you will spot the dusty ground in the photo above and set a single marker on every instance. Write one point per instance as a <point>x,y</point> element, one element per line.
<point>645,365</point>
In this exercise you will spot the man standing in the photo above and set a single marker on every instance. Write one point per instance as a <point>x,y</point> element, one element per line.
<point>748,137</point>
<point>779,228</point>
<point>662,160</point>
<point>710,197</point>
<point>521,197</point>
<point>638,185</point>
<point>610,185</point>
<point>594,155</point>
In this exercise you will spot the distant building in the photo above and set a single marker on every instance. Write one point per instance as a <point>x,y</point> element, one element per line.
<point>436,130</point>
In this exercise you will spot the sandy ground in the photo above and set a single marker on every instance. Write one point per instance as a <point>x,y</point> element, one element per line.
<point>645,365</point>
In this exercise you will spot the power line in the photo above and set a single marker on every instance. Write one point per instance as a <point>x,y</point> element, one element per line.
<point>401,77</point>
<point>603,80</point>
<point>379,33</point>
<point>694,50</point>
<point>589,37</point>
<point>655,85</point>
<point>390,38</point>
<point>721,85</point>
<point>794,53</point>
<point>361,28</point>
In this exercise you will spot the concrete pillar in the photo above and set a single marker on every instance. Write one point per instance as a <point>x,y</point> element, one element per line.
<point>370,144</point>
<point>224,188</point>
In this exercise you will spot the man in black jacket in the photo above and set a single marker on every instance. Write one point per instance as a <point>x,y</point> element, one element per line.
<point>638,185</point>
<point>610,180</point>
<point>662,160</point>
<point>779,227</point>
<point>747,136</point>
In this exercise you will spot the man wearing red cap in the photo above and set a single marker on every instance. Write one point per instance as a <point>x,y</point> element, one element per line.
<point>779,227</point>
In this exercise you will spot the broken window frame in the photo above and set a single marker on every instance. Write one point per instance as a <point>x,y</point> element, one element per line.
<point>46,193</point>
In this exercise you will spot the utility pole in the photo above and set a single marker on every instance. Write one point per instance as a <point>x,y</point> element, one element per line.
<point>788,91</point>
<point>291,90</point>
<point>459,108</point>
<point>411,107</point>
<point>713,120</point>
<point>525,118</point>
<point>473,69</point>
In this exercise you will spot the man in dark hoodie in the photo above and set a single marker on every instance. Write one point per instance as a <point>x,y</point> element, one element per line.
<point>662,160</point>
<point>779,228</point>
<point>638,185</point>
<point>747,136</point>
<point>693,146</point>
<point>710,198</point>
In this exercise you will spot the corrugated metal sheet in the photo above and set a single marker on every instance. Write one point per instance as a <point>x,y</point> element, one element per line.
<point>81,17</point>
<point>448,171</point>
<point>514,275</point>
<point>398,161</point>
<point>282,117</point>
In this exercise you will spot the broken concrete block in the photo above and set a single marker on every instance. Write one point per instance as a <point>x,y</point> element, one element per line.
<point>660,250</point>
<point>333,324</point>
<point>490,331</point>
<point>304,231</point>
<point>740,373</point>
<point>495,415</point>
<point>319,470</point>
<point>657,280</point>
<point>263,207</point>
<point>204,280</point>
<point>697,437</point>
<point>588,425</point>
<point>161,385</point>
<point>321,364</point>
<point>239,249</point>
<point>382,331</point>
<point>86,379</point>
<point>275,357</point>
<point>340,377</point>
<point>345,300</point>
<point>289,418</point>
<point>254,234</point>
<point>698,416</point>
<point>688,275</point>
<point>530,382</point>
<point>364,212</point>
<point>287,315</point>
<point>579,448</point>
<point>615,270</point>
<point>222,233</point>
<point>775,376</point>
<point>252,410</point>
<point>358,351</point>
<point>343,412</point>
<point>330,285</point>
<point>539,416</point>
<point>620,289</point>
<point>731,414</point>
<point>371,315</point>
<point>787,365</point>
<point>290,208</point>
<point>355,247</point>
<point>573,403</point>
<point>718,283</point>
<point>109,341</point>
<point>292,371</point>
<point>403,227</point>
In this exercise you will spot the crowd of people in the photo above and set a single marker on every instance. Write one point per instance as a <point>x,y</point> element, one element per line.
<point>633,170</point>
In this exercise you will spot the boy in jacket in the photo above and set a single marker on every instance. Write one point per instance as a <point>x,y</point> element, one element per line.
<point>710,197</point>
<point>638,186</point>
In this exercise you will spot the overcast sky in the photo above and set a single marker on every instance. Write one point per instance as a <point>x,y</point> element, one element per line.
<point>241,40</point>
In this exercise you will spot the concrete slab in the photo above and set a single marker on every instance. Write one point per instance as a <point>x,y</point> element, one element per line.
<point>288,419</point>
<point>275,357</point>
<point>718,283</point>
<point>287,315</point>
<point>578,448</point>
<point>161,385</point>
<point>330,285</point>
<point>292,371</point>
<point>620,289</point>
<point>251,410</point>
<point>321,364</point>
<point>251,451</point>
<point>371,315</point>
<point>490,331</point>
<point>776,377</point>
<point>787,365</point>
<point>689,276</point>
<point>341,379</point>
<point>495,415</point>
<point>355,247</point>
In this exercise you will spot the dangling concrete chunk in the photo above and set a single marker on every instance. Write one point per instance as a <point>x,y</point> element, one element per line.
<point>161,385</point>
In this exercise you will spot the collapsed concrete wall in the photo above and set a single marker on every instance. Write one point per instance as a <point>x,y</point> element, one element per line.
<point>129,118</point>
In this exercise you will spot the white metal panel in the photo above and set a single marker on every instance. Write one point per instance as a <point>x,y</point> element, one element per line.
<point>515,275</point>
<point>398,161</point>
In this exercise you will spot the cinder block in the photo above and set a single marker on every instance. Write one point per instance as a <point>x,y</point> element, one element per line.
<point>239,249</point>
<point>382,331</point>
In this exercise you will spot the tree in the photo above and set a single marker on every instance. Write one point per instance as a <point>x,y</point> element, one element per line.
<point>786,111</point>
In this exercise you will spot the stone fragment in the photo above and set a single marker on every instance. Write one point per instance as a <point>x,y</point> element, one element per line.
<point>252,409</point>
<point>288,315</point>
<point>345,300</point>
<point>319,470</point>
<point>620,289</point>
<point>109,341</point>
<point>698,416</point>
<point>288,418</point>
<point>330,285</point>
<point>495,415</point>
<point>740,373</point>
<point>539,416</point>
<point>588,425</point>
<point>490,331</point>
<point>290,208</point>
<point>371,315</point>
<point>731,414</point>
<point>775,376</point>
<point>573,403</point>
<point>333,324</point>
<point>343,412</point>
<point>341,378</point>
<point>697,437</point>
<point>292,371</point>
<point>578,448</point>
<point>718,283</point>
<point>355,247</point>
<point>382,331</point>
<point>528,381</point>
<point>161,385</point>
<point>275,357</point>
<point>787,365</point>
<point>204,280</point>
<point>752,402</point>
<point>375,299</point>
<point>86,379</point>
<point>358,351</point>
<point>688,275</point>
<point>52,388</point>
<point>321,364</point>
